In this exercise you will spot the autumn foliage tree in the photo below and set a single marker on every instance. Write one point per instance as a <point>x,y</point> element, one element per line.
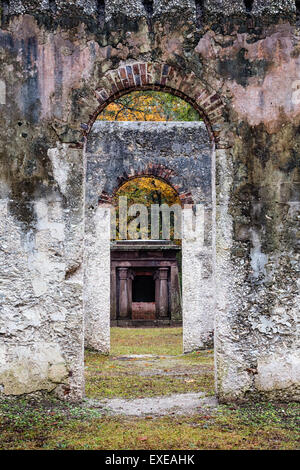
<point>149,106</point>
<point>147,190</point>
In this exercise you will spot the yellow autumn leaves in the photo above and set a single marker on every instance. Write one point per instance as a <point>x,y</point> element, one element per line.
<point>149,106</point>
<point>146,190</point>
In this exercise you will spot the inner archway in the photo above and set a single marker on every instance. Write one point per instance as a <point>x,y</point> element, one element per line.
<point>146,256</point>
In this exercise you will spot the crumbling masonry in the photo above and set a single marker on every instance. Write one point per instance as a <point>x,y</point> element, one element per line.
<point>62,62</point>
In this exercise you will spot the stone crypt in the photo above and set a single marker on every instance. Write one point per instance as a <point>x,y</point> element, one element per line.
<point>145,287</point>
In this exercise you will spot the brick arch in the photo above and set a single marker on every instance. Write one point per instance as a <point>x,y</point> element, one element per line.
<point>161,77</point>
<point>158,171</point>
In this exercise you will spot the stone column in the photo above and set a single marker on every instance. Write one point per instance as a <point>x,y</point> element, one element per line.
<point>157,286</point>
<point>113,294</point>
<point>129,287</point>
<point>175,294</point>
<point>197,312</point>
<point>163,292</point>
<point>97,280</point>
<point>123,293</point>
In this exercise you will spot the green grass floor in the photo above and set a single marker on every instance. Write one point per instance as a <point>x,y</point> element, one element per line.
<point>146,341</point>
<point>46,423</point>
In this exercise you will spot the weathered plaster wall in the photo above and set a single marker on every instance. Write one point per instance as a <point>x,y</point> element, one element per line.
<point>197,287</point>
<point>180,153</point>
<point>63,61</point>
<point>97,278</point>
<point>41,323</point>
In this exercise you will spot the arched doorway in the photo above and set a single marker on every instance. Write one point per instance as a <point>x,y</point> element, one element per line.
<point>162,77</point>
<point>146,265</point>
<point>180,154</point>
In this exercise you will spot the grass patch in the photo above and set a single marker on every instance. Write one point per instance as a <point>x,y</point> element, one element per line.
<point>174,433</point>
<point>141,387</point>
<point>108,377</point>
<point>146,341</point>
<point>52,425</point>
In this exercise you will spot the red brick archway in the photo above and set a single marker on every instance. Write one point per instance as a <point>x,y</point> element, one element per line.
<point>153,170</point>
<point>161,77</point>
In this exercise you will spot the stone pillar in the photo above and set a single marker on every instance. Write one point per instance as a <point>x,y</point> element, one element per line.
<point>97,280</point>
<point>175,294</point>
<point>129,287</point>
<point>123,293</point>
<point>157,288</point>
<point>163,292</point>
<point>113,294</point>
<point>41,313</point>
<point>196,311</point>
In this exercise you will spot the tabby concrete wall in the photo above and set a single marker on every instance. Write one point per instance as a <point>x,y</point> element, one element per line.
<point>96,309</point>
<point>41,324</point>
<point>61,63</point>
<point>180,154</point>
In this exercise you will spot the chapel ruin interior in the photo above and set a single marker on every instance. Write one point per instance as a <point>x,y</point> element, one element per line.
<point>62,280</point>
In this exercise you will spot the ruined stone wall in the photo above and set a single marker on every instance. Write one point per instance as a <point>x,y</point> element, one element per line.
<point>41,322</point>
<point>61,63</point>
<point>180,154</point>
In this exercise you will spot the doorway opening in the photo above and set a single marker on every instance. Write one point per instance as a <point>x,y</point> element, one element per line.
<point>146,272</point>
<point>153,150</point>
<point>143,295</point>
<point>149,159</point>
<point>143,288</point>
